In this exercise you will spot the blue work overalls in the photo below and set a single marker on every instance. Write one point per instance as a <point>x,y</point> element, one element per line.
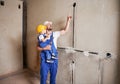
<point>46,67</point>
<point>44,44</point>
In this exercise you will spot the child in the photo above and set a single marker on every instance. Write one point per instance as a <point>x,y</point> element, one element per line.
<point>45,39</point>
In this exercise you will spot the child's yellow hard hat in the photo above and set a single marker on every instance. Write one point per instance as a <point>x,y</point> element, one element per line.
<point>40,28</point>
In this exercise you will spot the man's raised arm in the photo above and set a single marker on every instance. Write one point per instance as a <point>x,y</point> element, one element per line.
<point>66,26</point>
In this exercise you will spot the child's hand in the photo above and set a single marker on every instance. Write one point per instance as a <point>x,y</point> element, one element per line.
<point>48,36</point>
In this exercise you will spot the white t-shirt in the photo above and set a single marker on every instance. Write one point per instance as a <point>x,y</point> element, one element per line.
<point>56,34</point>
<point>41,37</point>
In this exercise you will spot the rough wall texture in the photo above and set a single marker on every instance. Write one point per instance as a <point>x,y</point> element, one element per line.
<point>10,36</point>
<point>96,29</point>
<point>97,24</point>
<point>75,68</point>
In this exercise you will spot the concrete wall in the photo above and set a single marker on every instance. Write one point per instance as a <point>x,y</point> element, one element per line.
<point>96,29</point>
<point>98,23</point>
<point>10,37</point>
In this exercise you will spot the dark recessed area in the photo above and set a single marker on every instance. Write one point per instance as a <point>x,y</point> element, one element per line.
<point>2,3</point>
<point>19,6</point>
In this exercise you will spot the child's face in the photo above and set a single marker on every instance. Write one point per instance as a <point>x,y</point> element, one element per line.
<point>44,31</point>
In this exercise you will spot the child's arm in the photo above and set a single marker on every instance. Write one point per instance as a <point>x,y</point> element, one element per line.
<point>44,41</point>
<point>46,38</point>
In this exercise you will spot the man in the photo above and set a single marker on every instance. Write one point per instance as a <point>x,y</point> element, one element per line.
<point>52,67</point>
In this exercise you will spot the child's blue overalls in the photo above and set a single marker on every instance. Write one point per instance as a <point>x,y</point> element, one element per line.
<point>46,67</point>
<point>44,44</point>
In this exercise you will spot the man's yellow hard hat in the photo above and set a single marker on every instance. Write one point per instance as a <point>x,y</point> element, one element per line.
<point>40,28</point>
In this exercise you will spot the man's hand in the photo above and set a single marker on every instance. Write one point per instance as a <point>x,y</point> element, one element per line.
<point>48,47</point>
<point>69,18</point>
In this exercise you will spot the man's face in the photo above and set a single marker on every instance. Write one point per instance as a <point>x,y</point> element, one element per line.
<point>49,25</point>
<point>49,28</point>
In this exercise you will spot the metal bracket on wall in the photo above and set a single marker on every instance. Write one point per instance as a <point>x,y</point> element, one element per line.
<point>74,5</point>
<point>95,53</point>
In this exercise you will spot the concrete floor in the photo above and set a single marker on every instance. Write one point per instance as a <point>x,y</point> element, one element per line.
<point>20,78</point>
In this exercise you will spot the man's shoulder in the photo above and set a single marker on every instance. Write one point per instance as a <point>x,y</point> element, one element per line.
<point>56,33</point>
